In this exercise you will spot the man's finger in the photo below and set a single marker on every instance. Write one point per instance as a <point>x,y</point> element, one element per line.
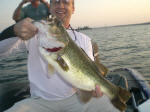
<point>98,91</point>
<point>29,19</point>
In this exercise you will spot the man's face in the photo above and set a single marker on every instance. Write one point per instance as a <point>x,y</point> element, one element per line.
<point>63,9</point>
<point>35,2</point>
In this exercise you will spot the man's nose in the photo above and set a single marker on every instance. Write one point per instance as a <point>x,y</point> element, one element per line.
<point>61,4</point>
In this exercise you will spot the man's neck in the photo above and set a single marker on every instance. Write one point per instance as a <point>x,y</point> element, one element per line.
<point>66,25</point>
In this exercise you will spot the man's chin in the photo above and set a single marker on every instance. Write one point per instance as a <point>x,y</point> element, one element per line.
<point>61,17</point>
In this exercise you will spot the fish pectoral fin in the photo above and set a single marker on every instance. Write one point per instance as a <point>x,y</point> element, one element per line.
<point>120,100</point>
<point>50,69</point>
<point>84,96</point>
<point>62,63</point>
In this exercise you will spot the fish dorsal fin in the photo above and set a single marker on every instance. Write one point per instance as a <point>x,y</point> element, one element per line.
<point>94,65</point>
<point>51,69</point>
<point>84,96</point>
<point>62,63</point>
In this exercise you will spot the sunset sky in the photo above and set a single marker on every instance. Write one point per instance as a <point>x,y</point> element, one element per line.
<point>93,13</point>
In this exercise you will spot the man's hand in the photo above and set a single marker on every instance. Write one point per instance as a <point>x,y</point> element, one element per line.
<point>46,3</point>
<point>97,92</point>
<point>17,13</point>
<point>25,1</point>
<point>25,29</point>
<point>43,1</point>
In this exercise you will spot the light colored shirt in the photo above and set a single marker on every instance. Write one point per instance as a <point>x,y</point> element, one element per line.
<point>41,12</point>
<point>53,87</point>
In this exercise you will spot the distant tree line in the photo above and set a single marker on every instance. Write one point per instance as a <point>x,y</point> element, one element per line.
<point>83,28</point>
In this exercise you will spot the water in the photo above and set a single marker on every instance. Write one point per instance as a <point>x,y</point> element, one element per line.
<point>13,68</point>
<point>119,47</point>
<point>124,47</point>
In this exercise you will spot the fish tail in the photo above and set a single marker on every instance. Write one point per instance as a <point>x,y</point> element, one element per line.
<point>124,94</point>
<point>120,100</point>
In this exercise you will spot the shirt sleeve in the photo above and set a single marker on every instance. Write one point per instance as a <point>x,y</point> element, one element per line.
<point>11,45</point>
<point>86,45</point>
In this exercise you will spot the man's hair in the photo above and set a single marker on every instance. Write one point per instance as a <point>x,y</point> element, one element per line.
<point>72,2</point>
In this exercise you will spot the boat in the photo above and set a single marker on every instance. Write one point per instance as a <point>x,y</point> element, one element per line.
<point>139,88</point>
<point>130,79</point>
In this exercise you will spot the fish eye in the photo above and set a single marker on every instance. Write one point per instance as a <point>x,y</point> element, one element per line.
<point>56,1</point>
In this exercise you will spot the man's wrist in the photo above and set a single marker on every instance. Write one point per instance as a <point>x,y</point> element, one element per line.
<point>21,4</point>
<point>44,2</point>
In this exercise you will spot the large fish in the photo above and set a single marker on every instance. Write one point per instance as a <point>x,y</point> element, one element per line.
<point>73,64</point>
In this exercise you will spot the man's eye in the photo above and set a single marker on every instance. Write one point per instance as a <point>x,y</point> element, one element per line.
<point>57,1</point>
<point>64,1</point>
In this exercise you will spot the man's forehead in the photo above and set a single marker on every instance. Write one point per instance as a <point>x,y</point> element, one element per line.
<point>64,0</point>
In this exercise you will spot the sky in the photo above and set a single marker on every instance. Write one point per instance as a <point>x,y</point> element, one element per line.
<point>92,13</point>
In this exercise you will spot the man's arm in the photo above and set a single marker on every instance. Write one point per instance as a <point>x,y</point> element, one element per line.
<point>101,67</point>
<point>17,13</point>
<point>24,29</point>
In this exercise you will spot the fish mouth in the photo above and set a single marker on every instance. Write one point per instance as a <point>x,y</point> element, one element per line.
<point>55,49</point>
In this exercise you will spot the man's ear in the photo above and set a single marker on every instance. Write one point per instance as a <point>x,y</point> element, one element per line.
<point>73,9</point>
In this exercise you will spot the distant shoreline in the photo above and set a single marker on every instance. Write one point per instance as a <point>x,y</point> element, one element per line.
<point>146,23</point>
<point>87,27</point>
<point>83,28</point>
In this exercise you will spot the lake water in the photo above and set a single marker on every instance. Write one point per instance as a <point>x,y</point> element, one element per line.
<point>119,47</point>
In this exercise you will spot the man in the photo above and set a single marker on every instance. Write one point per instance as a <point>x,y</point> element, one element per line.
<point>54,94</point>
<point>37,10</point>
